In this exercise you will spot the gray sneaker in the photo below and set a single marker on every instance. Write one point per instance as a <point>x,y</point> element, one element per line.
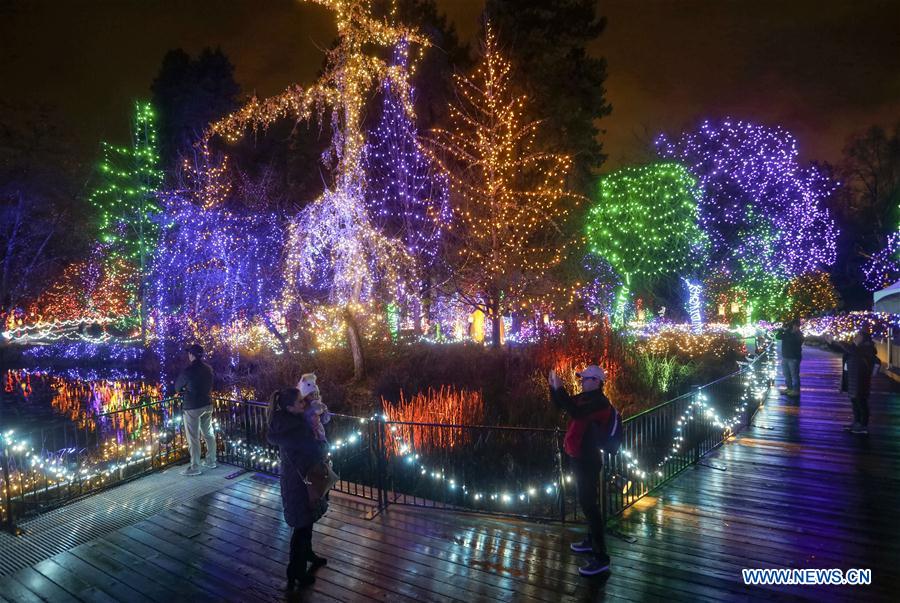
<point>209,464</point>
<point>595,567</point>
<point>860,429</point>
<point>191,470</point>
<point>852,426</point>
<point>585,546</point>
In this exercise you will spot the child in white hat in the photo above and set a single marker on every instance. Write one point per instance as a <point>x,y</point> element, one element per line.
<point>316,412</point>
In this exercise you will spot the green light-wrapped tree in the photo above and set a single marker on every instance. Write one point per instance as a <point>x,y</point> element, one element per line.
<point>644,223</point>
<point>126,197</point>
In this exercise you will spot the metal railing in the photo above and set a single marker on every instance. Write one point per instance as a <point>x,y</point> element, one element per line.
<point>486,469</point>
<point>509,470</point>
<point>44,468</point>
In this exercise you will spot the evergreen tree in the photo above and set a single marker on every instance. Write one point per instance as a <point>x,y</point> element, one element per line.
<point>509,198</point>
<point>189,94</point>
<point>126,196</point>
<point>547,44</point>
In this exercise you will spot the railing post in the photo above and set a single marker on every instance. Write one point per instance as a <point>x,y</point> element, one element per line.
<point>246,406</point>
<point>10,524</point>
<point>381,464</point>
<point>698,440</point>
<point>562,480</point>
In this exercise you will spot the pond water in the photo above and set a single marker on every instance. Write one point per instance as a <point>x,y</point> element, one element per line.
<point>37,398</point>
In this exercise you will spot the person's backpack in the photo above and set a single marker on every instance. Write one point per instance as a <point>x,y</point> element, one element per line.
<point>613,438</point>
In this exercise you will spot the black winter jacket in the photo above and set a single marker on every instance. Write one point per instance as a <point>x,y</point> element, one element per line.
<point>195,385</point>
<point>791,344</point>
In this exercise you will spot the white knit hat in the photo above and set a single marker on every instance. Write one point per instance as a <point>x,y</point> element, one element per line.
<point>307,384</point>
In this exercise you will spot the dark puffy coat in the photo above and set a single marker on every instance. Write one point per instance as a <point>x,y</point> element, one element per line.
<point>791,343</point>
<point>590,416</point>
<point>298,450</point>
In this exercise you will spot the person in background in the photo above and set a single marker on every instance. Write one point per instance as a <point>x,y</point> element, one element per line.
<point>791,338</point>
<point>195,386</point>
<point>298,451</point>
<point>862,363</point>
<point>591,421</point>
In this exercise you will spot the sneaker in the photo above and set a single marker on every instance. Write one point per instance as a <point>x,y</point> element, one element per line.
<point>860,429</point>
<point>584,546</point>
<point>793,393</point>
<point>852,426</point>
<point>783,391</point>
<point>209,464</point>
<point>596,566</point>
<point>191,470</point>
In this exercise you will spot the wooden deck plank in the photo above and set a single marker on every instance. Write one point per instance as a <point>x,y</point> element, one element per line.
<point>13,590</point>
<point>45,588</point>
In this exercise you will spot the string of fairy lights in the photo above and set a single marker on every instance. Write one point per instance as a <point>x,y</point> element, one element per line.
<point>511,232</point>
<point>51,470</point>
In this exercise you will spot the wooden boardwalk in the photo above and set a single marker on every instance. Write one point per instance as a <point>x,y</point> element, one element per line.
<point>792,491</point>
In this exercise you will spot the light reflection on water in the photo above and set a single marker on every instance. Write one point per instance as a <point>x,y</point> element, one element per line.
<point>39,397</point>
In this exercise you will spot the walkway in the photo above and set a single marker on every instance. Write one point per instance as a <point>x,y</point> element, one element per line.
<point>791,491</point>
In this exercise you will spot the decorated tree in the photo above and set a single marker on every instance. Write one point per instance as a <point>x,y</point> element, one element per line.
<point>883,267</point>
<point>217,276</point>
<point>764,213</point>
<point>509,198</point>
<point>599,293</point>
<point>333,246</point>
<point>644,223</point>
<point>811,294</point>
<point>407,197</point>
<point>125,197</point>
<point>92,289</point>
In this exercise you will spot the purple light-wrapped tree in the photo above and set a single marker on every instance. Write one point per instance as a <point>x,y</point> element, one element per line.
<point>763,212</point>
<point>883,268</point>
<point>406,195</point>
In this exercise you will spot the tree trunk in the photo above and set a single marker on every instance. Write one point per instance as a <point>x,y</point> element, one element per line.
<point>495,323</point>
<point>274,331</point>
<point>355,341</point>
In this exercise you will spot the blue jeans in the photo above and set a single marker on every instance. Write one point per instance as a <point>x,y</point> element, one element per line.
<point>791,369</point>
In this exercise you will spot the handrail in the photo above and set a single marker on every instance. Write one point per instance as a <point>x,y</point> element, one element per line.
<point>743,369</point>
<point>139,406</point>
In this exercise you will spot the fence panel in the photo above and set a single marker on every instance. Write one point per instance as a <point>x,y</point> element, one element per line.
<point>45,468</point>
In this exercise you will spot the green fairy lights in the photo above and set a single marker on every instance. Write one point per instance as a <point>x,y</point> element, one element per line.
<point>125,198</point>
<point>644,223</point>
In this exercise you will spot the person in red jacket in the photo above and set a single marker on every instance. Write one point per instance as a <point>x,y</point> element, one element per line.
<point>591,419</point>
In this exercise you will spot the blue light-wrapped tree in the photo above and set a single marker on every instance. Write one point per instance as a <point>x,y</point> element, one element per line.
<point>406,195</point>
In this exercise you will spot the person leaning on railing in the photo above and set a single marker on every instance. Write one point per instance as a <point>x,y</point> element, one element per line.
<point>195,386</point>
<point>593,424</point>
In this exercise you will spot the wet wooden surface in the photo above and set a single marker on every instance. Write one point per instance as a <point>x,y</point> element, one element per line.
<point>793,490</point>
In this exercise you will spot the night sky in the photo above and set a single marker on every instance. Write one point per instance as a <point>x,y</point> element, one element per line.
<point>821,68</point>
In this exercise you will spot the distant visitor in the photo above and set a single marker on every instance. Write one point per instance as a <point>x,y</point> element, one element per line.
<point>791,338</point>
<point>195,386</point>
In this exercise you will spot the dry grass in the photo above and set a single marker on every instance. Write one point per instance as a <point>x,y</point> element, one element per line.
<point>445,406</point>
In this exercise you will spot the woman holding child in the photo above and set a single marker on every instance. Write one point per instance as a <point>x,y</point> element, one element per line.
<point>295,417</point>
